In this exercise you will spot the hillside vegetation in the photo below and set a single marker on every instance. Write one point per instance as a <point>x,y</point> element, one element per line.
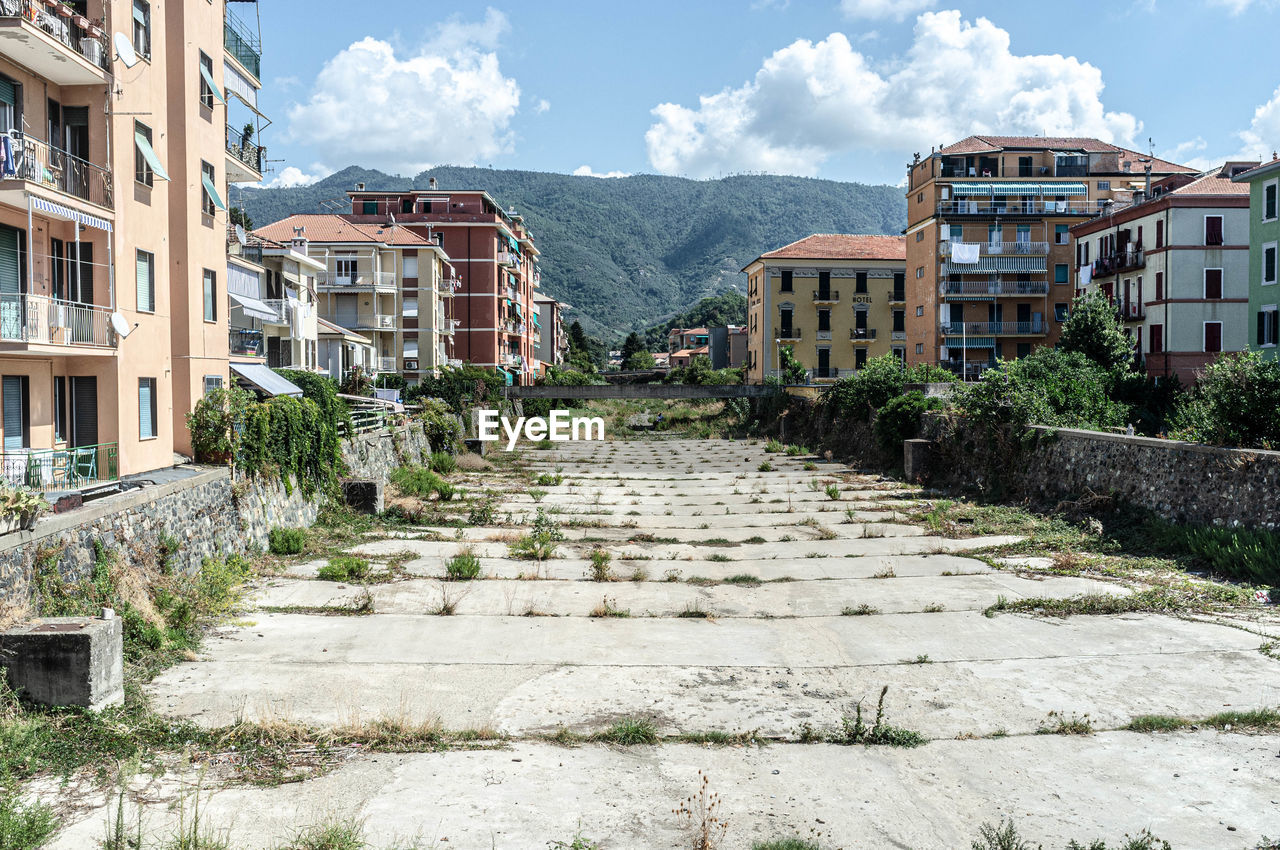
<point>631,252</point>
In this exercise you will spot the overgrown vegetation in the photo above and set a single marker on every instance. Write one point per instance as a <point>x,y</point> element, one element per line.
<point>539,544</point>
<point>413,480</point>
<point>286,541</point>
<point>344,568</point>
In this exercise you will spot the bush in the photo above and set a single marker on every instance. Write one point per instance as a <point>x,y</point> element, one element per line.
<point>459,387</point>
<point>419,481</point>
<point>1233,404</point>
<point>1241,554</point>
<point>443,463</point>
<point>556,377</point>
<point>1048,387</point>
<point>540,543</point>
<point>463,566</point>
<point>24,827</point>
<point>899,419</point>
<point>869,389</point>
<point>286,541</point>
<point>1094,330</point>
<point>345,568</point>
<point>440,425</point>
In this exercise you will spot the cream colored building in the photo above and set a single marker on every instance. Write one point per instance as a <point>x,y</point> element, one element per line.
<point>836,300</point>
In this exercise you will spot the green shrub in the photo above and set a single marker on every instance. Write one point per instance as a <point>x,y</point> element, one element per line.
<point>24,827</point>
<point>540,543</point>
<point>1048,387</point>
<point>1238,553</point>
<point>556,377</point>
<point>765,466</point>
<point>459,386</point>
<point>1233,404</point>
<point>419,481</point>
<point>599,570</point>
<point>443,463</point>
<point>833,492</point>
<point>928,373</point>
<point>899,419</point>
<point>345,568</point>
<point>463,566</point>
<point>286,541</point>
<point>549,479</point>
<point>483,512</point>
<point>879,380</point>
<point>216,583</point>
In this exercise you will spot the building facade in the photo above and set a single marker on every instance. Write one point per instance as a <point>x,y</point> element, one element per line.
<point>1264,248</point>
<point>1175,263</point>
<point>551,339</point>
<point>988,248</point>
<point>834,300</point>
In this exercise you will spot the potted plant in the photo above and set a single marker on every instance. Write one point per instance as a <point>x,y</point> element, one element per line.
<point>64,11</point>
<point>19,507</point>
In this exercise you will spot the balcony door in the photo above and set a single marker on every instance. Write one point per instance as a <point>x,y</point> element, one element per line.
<point>824,362</point>
<point>12,262</point>
<point>13,396</point>
<point>346,270</point>
<point>84,411</point>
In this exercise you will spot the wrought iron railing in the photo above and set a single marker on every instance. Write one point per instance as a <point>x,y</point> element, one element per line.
<point>73,31</point>
<point>245,150</point>
<point>53,470</point>
<point>50,321</point>
<point>39,162</point>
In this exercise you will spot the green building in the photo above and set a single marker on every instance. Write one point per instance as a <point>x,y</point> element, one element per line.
<point>1264,252</point>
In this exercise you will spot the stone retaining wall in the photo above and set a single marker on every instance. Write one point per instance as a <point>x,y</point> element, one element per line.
<point>207,513</point>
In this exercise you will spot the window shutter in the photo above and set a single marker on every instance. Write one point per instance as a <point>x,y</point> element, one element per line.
<point>1273,317</point>
<point>143,274</point>
<point>8,92</point>
<point>1159,234</point>
<point>1269,264</point>
<point>84,414</point>
<point>9,262</point>
<point>14,404</point>
<point>146,425</point>
<point>1262,327</point>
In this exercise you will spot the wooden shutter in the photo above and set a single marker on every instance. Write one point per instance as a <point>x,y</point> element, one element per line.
<point>1159,286</point>
<point>1262,327</point>
<point>1212,284</point>
<point>83,267</point>
<point>1157,339</point>
<point>84,411</point>
<point>146,282</point>
<point>14,393</point>
<point>146,408</point>
<point>1159,234</point>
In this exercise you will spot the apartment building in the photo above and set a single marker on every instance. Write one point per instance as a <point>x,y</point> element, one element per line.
<point>496,260</point>
<point>1175,263</point>
<point>550,338</point>
<point>988,247</point>
<point>111,155</point>
<point>381,282</point>
<point>1264,245</point>
<point>836,300</point>
<point>728,349</point>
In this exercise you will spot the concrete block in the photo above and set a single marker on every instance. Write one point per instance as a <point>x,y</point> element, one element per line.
<point>364,496</point>
<point>915,459</point>
<point>476,446</point>
<point>66,661</point>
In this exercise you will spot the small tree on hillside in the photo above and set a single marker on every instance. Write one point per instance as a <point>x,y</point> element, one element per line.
<point>638,360</point>
<point>793,371</point>
<point>633,344</point>
<point>1094,330</point>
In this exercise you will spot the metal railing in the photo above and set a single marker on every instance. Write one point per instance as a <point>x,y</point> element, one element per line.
<point>819,374</point>
<point>508,258</point>
<point>1130,310</point>
<point>897,336</point>
<point>241,43</point>
<point>1032,328</point>
<point>862,334</point>
<point>386,364</point>
<point>243,342</point>
<point>999,287</point>
<point>65,30</point>
<point>245,151</point>
<point>1120,261</point>
<point>360,277</point>
<point>50,321</point>
<point>39,162</point>
<point>280,306</point>
<point>987,208</point>
<point>898,296</point>
<point>998,248</point>
<point>54,470</point>
<point>829,296</point>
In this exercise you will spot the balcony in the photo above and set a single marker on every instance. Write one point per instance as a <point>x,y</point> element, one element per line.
<point>990,288</point>
<point>47,170</point>
<point>830,296</point>
<point>38,320</point>
<point>63,48</point>
<point>990,249</point>
<point>1130,310</point>
<point>831,373</point>
<point>280,306</point>
<point>448,287</point>
<point>450,327</point>
<point>788,335</point>
<point>511,360</point>
<point>509,258</point>
<point>989,209</point>
<point>62,470</point>
<point>242,44</point>
<point>1120,261</point>
<point>244,342</point>
<point>862,335</point>
<point>386,364</point>
<point>245,159</point>
<point>898,336</point>
<point>331,279</point>
<point>375,322</point>
<point>898,296</point>
<point>976,329</point>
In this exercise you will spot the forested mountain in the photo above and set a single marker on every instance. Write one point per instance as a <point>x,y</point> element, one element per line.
<point>727,308</point>
<point>630,252</point>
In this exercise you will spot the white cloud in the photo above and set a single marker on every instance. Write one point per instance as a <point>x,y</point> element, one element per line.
<point>810,101</point>
<point>291,176</point>
<point>543,105</point>
<point>447,103</point>
<point>585,171</point>
<point>898,10</point>
<point>1256,143</point>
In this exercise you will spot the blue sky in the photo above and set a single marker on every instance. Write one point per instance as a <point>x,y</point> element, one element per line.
<point>840,89</point>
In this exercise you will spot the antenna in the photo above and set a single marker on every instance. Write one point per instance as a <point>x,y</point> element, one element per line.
<point>124,50</point>
<point>240,234</point>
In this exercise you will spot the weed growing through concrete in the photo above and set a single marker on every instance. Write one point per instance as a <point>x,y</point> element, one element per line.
<point>549,479</point>
<point>1059,723</point>
<point>854,731</point>
<point>744,579</point>
<point>463,566</point>
<point>814,484</point>
<point>609,608</point>
<point>628,732</point>
<point>833,492</point>
<point>694,611</point>
<point>862,610</point>
<point>599,569</point>
<point>540,543</point>
<point>286,541</point>
<point>887,572</point>
<point>639,574</point>
<point>765,466</point>
<point>919,659</point>
<point>345,568</point>
<point>810,466</point>
<point>536,494</point>
<point>1255,720</point>
<point>701,818</point>
<point>934,608</point>
<point>773,446</point>
<point>450,597</point>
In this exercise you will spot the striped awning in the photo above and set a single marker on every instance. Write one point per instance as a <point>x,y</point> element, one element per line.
<point>989,264</point>
<point>960,342</point>
<point>46,206</point>
<point>1017,188</point>
<point>1064,189</point>
<point>964,190</point>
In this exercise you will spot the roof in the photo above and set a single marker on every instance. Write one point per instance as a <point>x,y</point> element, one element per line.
<point>332,227</point>
<point>1265,170</point>
<point>324,327</point>
<point>265,379</point>
<point>992,144</point>
<point>841,246</point>
<point>691,352</point>
<point>686,331</point>
<point>1212,184</point>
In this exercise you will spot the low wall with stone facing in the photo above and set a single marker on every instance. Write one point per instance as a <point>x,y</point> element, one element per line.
<point>208,513</point>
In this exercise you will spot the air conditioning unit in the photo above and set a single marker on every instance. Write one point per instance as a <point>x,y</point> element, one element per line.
<point>411,364</point>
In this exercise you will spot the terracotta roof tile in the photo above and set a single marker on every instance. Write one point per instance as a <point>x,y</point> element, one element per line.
<point>331,227</point>
<point>842,246</point>
<point>1212,184</point>
<point>989,144</point>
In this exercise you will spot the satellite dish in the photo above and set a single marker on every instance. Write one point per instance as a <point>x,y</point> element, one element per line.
<point>124,50</point>
<point>121,325</point>
<point>240,234</point>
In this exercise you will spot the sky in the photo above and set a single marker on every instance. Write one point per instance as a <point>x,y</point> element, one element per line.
<point>836,89</point>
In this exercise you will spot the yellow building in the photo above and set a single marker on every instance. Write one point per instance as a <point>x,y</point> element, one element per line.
<point>836,300</point>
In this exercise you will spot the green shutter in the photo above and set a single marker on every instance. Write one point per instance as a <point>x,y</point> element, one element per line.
<point>13,407</point>
<point>146,283</point>
<point>10,283</point>
<point>8,92</point>
<point>146,426</point>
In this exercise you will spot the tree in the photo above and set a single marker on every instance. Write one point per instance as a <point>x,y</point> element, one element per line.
<point>633,344</point>
<point>793,371</point>
<point>1094,330</point>
<point>1233,403</point>
<point>638,360</point>
<point>240,217</point>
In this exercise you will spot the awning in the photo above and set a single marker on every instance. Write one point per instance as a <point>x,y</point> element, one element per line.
<point>958,342</point>
<point>265,379</point>
<point>962,190</point>
<point>41,205</point>
<point>150,155</point>
<point>1064,189</point>
<point>213,192</point>
<point>208,81</point>
<point>1017,188</point>
<point>257,309</point>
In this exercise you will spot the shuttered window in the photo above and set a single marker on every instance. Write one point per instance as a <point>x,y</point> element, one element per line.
<point>59,409</point>
<point>13,395</point>
<point>146,408</point>
<point>1269,201</point>
<point>84,411</point>
<point>1159,286</point>
<point>210,296</point>
<point>146,274</point>
<point>1157,339</point>
<point>1269,264</point>
<point>1212,284</point>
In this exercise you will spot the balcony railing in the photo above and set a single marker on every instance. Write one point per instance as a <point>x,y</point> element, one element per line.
<point>987,208</point>
<point>245,151</point>
<point>74,31</point>
<point>830,296</point>
<point>998,248</point>
<point>897,336</point>
<point>508,258</point>
<point>243,342</point>
<point>1120,261</point>
<point>280,306</point>
<point>1130,310</point>
<point>55,470</point>
<point>788,334</point>
<point>53,168</point>
<point>241,43</point>
<point>898,296</point>
<point>359,277</point>
<point>862,334</point>
<point>386,364</point>
<point>1000,287</point>
<point>48,321</point>
<point>450,286</point>
<point>1033,328</point>
<point>830,373</point>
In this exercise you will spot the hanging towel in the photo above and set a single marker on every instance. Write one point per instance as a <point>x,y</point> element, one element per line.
<point>965,252</point>
<point>8,167</point>
<point>1086,274</point>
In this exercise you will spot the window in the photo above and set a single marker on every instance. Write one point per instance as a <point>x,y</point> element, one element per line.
<point>1104,185</point>
<point>786,281</point>
<point>1269,264</point>
<point>1060,273</point>
<point>1268,326</point>
<point>1060,234</point>
<point>369,208</point>
<point>142,28</point>
<point>1159,234</point>
<point>142,170</point>
<point>1269,200</point>
<point>920,198</point>
<point>14,394</point>
<point>1212,337</point>
<point>210,296</point>
<point>919,272</point>
<point>1060,312</point>
<point>147,414</point>
<point>411,306</point>
<point>899,321</point>
<point>146,270</point>
<point>1156,339</point>
<point>211,383</point>
<point>206,80</point>
<point>919,348</point>
<point>1024,166</point>
<point>1212,284</point>
<point>209,200</point>
<point>824,320</point>
<point>860,283</point>
<point>1213,230</point>
<point>1159,286</point>
<point>920,311</point>
<point>919,235</point>
<point>59,409</point>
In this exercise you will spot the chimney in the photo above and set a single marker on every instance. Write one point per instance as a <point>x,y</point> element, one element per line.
<point>359,187</point>
<point>1146,186</point>
<point>433,184</point>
